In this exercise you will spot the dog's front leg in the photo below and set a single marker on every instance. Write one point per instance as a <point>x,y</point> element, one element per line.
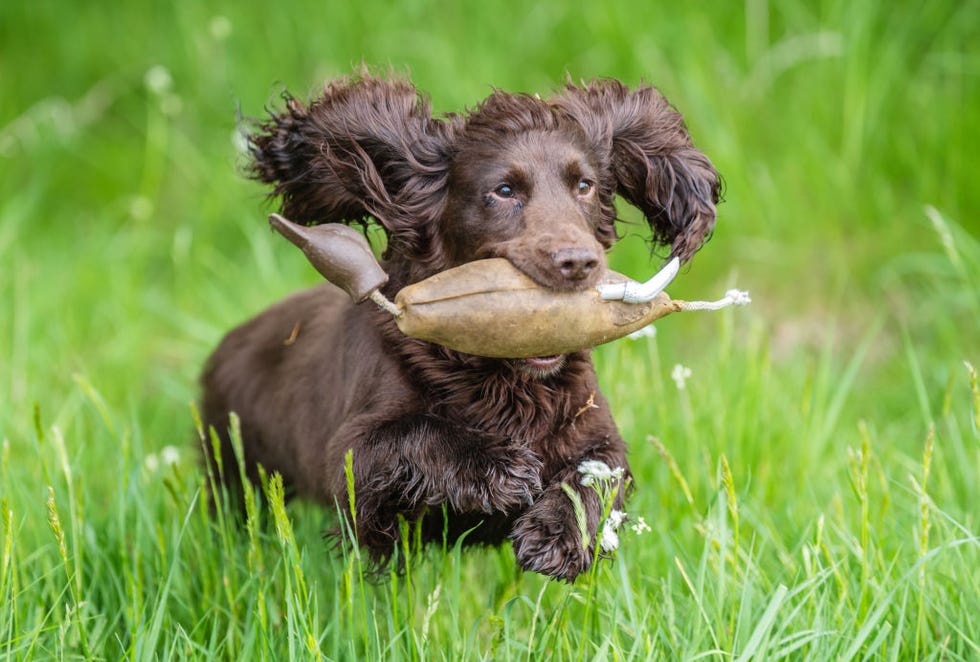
<point>547,538</point>
<point>405,465</point>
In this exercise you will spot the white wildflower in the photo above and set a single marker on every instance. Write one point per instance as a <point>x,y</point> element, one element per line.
<point>594,471</point>
<point>220,28</point>
<point>609,542</point>
<point>170,455</point>
<point>648,331</point>
<point>680,374</point>
<point>160,83</point>
<point>616,518</point>
<point>641,526</point>
<point>167,456</point>
<point>158,80</point>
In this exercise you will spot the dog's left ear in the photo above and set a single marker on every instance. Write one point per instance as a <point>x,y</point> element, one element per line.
<point>645,145</point>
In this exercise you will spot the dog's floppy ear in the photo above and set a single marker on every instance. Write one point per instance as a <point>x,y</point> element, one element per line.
<point>368,147</point>
<point>645,145</point>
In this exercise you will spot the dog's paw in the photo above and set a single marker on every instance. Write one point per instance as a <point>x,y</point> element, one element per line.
<point>547,538</point>
<point>494,480</point>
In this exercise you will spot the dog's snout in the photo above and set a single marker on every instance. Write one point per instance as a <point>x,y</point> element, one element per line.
<point>575,262</point>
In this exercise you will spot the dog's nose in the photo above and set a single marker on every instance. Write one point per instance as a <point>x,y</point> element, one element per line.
<point>575,262</point>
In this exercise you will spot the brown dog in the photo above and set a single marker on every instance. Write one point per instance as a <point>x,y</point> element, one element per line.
<point>525,179</point>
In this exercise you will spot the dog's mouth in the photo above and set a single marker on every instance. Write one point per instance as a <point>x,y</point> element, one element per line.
<point>540,366</point>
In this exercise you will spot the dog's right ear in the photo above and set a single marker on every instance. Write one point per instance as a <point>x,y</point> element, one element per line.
<point>368,147</point>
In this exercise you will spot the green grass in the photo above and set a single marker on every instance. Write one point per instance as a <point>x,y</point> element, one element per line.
<point>811,490</point>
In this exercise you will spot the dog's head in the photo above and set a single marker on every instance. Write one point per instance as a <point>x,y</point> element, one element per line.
<point>524,184</point>
<point>526,179</point>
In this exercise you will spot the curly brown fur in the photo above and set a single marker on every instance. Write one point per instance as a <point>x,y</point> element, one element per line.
<point>488,440</point>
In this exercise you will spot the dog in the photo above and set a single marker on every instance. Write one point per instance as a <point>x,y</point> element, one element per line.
<point>453,443</point>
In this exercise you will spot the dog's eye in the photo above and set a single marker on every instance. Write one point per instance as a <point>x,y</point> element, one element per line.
<point>584,187</point>
<point>504,191</point>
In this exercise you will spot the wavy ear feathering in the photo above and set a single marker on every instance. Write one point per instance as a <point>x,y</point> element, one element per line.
<point>367,147</point>
<point>651,159</point>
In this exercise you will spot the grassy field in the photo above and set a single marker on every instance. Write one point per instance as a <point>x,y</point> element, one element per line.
<point>808,489</point>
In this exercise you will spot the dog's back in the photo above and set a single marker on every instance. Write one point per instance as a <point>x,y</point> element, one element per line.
<point>294,374</point>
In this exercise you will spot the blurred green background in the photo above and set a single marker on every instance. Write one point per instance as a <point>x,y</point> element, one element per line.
<point>130,239</point>
<point>848,134</point>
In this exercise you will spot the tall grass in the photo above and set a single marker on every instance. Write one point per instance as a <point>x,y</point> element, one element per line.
<point>872,554</point>
<point>810,488</point>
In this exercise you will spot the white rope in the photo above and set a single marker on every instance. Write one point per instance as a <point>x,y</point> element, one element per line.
<point>731,298</point>
<point>385,303</point>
